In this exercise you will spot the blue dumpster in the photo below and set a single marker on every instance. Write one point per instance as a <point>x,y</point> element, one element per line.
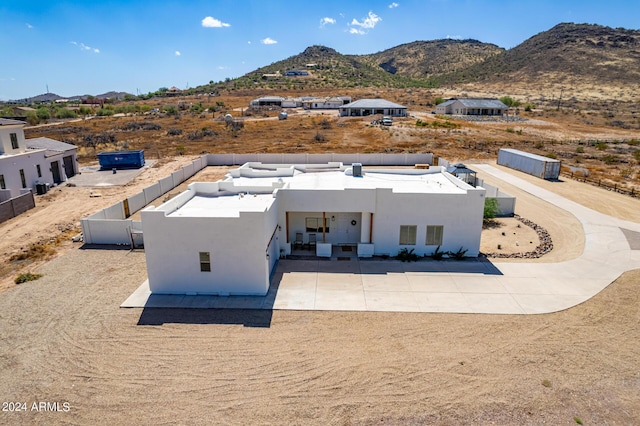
<point>121,159</point>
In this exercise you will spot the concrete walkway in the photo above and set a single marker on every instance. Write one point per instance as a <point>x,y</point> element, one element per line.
<point>612,247</point>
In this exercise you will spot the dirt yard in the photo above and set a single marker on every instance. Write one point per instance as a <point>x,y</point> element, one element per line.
<point>65,340</point>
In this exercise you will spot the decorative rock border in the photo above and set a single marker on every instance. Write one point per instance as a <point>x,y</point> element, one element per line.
<point>545,246</point>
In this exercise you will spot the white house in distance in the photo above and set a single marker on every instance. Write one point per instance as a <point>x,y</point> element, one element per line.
<point>365,107</point>
<point>472,107</point>
<point>225,237</point>
<point>27,162</point>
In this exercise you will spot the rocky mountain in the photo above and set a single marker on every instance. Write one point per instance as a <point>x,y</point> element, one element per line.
<point>591,54</point>
<point>424,59</point>
<point>582,54</point>
<point>50,97</point>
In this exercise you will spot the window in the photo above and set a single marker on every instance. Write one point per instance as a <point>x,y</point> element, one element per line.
<point>314,224</point>
<point>23,179</point>
<point>434,235</point>
<point>408,235</point>
<point>205,261</point>
<point>39,170</point>
<point>14,140</point>
<point>2,184</point>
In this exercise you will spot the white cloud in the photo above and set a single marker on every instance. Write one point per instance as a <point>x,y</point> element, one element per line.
<point>178,53</point>
<point>454,37</point>
<point>367,23</point>
<point>326,20</point>
<point>268,40</point>
<point>83,46</point>
<point>393,5</point>
<point>211,22</point>
<point>29,25</point>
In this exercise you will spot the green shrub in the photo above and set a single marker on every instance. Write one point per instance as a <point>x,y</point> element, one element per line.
<point>65,113</point>
<point>23,278</point>
<point>490,208</point>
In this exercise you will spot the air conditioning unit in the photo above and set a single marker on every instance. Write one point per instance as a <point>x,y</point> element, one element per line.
<point>357,169</point>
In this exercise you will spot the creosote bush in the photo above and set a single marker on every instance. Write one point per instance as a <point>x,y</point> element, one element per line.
<point>23,278</point>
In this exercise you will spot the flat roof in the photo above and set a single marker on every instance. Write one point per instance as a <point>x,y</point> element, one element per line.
<point>425,183</point>
<point>255,194</point>
<point>224,205</point>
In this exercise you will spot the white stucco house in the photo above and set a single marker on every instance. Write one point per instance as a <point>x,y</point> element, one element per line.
<point>225,237</point>
<point>365,107</point>
<point>465,106</point>
<point>27,162</point>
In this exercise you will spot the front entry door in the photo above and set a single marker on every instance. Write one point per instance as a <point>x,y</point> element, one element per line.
<point>347,232</point>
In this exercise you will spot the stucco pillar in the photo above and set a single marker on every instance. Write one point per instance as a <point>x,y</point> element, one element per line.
<point>365,228</point>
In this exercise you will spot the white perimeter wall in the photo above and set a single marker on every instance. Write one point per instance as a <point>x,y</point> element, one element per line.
<point>110,225</point>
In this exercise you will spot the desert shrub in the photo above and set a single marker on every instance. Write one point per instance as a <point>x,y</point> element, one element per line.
<point>446,123</point>
<point>439,100</point>
<point>529,106</point>
<point>325,124</point>
<point>490,208</point>
<point>437,254</point>
<point>609,159</point>
<point>23,278</point>
<point>174,132</point>
<point>460,254</point>
<point>320,137</point>
<point>170,110</point>
<point>636,155</point>
<point>199,134</point>
<point>32,119</point>
<point>236,125</point>
<point>65,113</point>
<point>407,255</point>
<point>197,108</point>
<point>601,146</point>
<point>633,142</point>
<point>551,155</point>
<point>105,112</point>
<point>43,113</point>
<point>510,130</point>
<point>135,125</point>
<point>580,149</point>
<point>103,138</point>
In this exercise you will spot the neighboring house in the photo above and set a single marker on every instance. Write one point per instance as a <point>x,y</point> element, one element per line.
<point>365,107</point>
<point>226,237</point>
<point>27,162</point>
<point>296,73</point>
<point>472,107</point>
<point>267,101</point>
<point>334,102</point>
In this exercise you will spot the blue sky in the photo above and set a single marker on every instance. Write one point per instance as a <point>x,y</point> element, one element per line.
<point>91,47</point>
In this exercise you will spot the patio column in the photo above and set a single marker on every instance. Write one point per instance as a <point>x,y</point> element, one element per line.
<point>324,234</point>
<point>365,228</point>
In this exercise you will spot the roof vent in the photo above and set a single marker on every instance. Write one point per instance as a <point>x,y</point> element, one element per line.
<point>357,169</point>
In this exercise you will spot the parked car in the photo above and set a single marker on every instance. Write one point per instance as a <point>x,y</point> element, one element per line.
<point>386,121</point>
